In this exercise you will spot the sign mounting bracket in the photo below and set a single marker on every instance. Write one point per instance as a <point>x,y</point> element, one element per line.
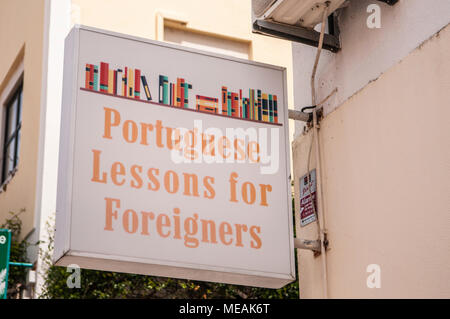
<point>309,244</point>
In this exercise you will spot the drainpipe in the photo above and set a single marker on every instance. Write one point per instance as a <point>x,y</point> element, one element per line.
<point>321,230</point>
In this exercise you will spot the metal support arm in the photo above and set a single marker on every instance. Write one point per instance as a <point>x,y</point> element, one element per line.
<point>313,245</point>
<point>300,116</point>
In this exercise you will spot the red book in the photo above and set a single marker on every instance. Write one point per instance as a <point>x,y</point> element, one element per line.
<point>104,72</point>
<point>224,100</point>
<point>182,93</point>
<point>234,105</point>
<point>178,102</point>
<point>240,104</point>
<point>91,77</point>
<point>137,84</point>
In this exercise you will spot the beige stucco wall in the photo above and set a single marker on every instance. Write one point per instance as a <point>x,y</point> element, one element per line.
<point>386,181</point>
<point>21,32</point>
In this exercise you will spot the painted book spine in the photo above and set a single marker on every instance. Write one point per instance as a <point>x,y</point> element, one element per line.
<point>125,82</point>
<point>137,84</point>
<point>104,74</point>
<point>224,100</point>
<point>275,109</point>
<point>250,106</point>
<point>115,82</point>
<point>111,81</point>
<point>96,77</point>
<point>87,76</point>
<point>229,106</point>
<point>166,90</point>
<point>146,88</point>
<point>182,93</point>
<point>265,108</point>
<point>186,94</point>
<point>160,89</point>
<point>130,82</point>
<point>240,104</point>
<point>245,107</point>
<point>270,108</point>
<point>91,77</point>
<point>235,105</point>
<point>119,82</point>
<point>178,102</point>
<point>259,103</point>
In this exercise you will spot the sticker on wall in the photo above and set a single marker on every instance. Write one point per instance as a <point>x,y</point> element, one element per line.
<point>307,197</point>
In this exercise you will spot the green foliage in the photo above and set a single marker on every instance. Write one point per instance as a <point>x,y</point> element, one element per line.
<point>18,253</point>
<point>104,285</point>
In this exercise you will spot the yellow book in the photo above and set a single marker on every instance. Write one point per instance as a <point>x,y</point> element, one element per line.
<point>111,82</point>
<point>130,92</point>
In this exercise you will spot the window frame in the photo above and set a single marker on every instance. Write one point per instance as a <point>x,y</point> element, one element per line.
<point>8,139</point>
<point>12,85</point>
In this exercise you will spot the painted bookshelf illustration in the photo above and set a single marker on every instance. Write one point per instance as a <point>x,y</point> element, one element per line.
<point>131,83</point>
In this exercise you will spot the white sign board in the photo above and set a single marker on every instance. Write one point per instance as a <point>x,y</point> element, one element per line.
<point>173,162</point>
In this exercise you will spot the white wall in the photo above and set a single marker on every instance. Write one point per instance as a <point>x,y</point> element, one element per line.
<point>366,53</point>
<point>57,22</point>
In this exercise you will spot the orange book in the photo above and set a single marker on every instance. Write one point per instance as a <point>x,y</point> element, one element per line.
<point>88,76</point>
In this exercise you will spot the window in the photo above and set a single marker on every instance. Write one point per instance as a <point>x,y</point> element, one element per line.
<point>11,133</point>
<point>206,41</point>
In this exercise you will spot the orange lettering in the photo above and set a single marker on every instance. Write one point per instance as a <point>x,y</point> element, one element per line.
<point>109,122</point>
<point>252,193</point>
<point>144,128</point>
<point>264,190</point>
<point>224,230</point>
<point>110,213</point>
<point>127,125</point>
<point>126,221</point>
<point>239,229</point>
<point>212,231</point>
<point>155,186</point>
<point>207,181</point>
<point>146,215</point>
<point>96,166</point>
<point>233,182</point>
<point>160,223</point>
<point>187,184</point>
<point>239,150</point>
<point>135,172</point>
<point>257,241</point>
<point>117,169</point>
<point>167,182</point>
<point>253,147</point>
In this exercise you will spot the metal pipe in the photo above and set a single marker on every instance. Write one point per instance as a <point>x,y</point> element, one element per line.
<point>21,264</point>
<point>320,209</point>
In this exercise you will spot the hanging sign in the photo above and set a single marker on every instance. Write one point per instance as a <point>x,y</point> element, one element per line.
<point>173,162</point>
